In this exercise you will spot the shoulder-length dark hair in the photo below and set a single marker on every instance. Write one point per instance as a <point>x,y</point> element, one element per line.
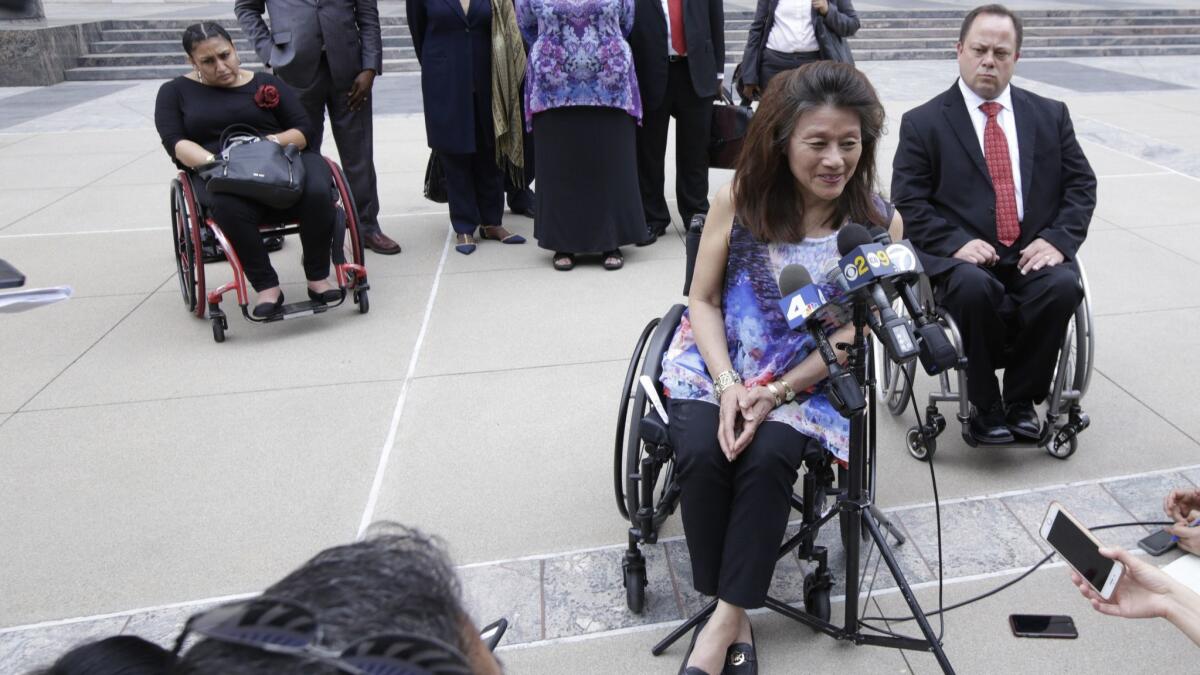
<point>765,192</point>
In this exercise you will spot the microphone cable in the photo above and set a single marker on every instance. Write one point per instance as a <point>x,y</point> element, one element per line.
<point>942,609</point>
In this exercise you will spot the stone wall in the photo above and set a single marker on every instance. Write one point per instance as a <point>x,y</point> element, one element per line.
<point>32,53</point>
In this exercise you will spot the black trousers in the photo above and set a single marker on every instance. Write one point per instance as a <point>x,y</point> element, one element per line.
<point>353,132</point>
<point>693,118</point>
<point>474,184</point>
<point>520,197</point>
<point>997,305</point>
<point>239,218</point>
<point>734,513</point>
<point>774,63</point>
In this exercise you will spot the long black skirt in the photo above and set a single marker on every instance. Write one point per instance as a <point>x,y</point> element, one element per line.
<point>588,200</point>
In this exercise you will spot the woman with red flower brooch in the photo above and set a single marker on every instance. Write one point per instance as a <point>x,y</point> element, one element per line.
<point>191,113</point>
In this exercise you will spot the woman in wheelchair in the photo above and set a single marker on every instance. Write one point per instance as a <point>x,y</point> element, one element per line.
<point>747,402</point>
<point>191,113</point>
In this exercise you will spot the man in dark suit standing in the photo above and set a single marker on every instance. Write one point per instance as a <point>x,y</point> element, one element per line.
<point>330,51</point>
<point>678,54</point>
<point>997,195</point>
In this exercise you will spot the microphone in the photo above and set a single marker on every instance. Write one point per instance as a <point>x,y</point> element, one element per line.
<point>805,307</point>
<point>864,265</point>
<point>937,353</point>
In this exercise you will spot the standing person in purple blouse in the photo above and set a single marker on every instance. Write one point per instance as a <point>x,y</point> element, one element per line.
<point>582,104</point>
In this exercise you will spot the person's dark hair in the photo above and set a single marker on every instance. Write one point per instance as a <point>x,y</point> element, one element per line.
<point>117,655</point>
<point>998,10</point>
<point>396,580</point>
<point>764,190</point>
<point>199,32</point>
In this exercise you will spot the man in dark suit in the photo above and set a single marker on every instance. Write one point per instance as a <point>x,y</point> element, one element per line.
<point>678,54</point>
<point>330,51</point>
<point>997,195</point>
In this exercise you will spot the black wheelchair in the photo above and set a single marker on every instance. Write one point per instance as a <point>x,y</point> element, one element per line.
<point>644,480</point>
<point>197,240</point>
<point>1064,419</point>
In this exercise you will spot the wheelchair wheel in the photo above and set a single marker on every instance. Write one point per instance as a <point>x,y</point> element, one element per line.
<point>218,326</point>
<point>185,253</point>
<point>1060,450</point>
<point>635,589</point>
<point>894,387</point>
<point>816,597</point>
<point>626,491</point>
<point>360,297</point>
<point>351,245</point>
<point>918,447</point>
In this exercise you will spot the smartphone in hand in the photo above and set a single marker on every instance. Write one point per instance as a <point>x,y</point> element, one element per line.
<point>1081,550</point>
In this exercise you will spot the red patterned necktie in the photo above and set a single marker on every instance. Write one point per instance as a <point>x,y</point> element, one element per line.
<point>995,149</point>
<point>678,39</point>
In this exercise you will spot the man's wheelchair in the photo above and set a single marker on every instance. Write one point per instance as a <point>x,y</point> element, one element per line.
<point>197,240</point>
<point>644,480</point>
<point>1064,419</point>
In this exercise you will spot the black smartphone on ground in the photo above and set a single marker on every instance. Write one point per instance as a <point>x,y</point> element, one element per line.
<point>1043,626</point>
<point>1158,543</point>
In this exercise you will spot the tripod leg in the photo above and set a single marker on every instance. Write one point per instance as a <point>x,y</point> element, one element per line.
<point>935,646</point>
<point>684,628</point>
<point>887,525</point>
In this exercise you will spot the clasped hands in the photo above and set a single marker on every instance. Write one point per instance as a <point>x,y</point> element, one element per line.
<point>742,410</point>
<point>1038,254</point>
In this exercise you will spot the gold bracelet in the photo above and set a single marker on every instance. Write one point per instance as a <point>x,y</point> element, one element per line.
<point>789,394</point>
<point>776,393</point>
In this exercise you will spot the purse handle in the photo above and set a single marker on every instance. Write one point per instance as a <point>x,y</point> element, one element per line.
<point>230,130</point>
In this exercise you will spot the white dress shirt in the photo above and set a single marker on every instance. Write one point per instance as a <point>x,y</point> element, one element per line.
<point>793,28</point>
<point>667,14</point>
<point>1008,123</point>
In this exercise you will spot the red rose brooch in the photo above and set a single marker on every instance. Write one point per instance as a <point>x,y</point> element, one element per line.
<point>267,97</point>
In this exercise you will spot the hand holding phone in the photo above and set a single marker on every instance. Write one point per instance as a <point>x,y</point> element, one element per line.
<point>1081,550</point>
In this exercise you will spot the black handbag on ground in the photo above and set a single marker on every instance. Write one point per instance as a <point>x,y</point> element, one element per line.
<point>728,131</point>
<point>253,167</point>
<point>435,179</point>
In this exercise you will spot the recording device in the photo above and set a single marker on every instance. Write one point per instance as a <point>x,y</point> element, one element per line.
<point>1043,626</point>
<point>937,353</point>
<point>805,307</point>
<point>1081,550</point>
<point>863,265</point>
<point>1158,543</point>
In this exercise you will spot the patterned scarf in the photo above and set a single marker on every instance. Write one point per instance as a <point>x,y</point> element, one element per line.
<point>508,70</point>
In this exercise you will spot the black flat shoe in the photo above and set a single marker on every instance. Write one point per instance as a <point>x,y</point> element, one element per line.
<point>265,309</point>
<point>741,658</point>
<point>331,295</point>
<point>988,426</point>
<point>1022,421</point>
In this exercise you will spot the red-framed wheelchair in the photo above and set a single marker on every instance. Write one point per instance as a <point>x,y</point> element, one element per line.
<point>197,239</point>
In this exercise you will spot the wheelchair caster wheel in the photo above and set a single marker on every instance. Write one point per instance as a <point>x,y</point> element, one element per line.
<point>635,588</point>
<point>360,297</point>
<point>816,597</point>
<point>1060,450</point>
<point>218,325</point>
<point>917,446</point>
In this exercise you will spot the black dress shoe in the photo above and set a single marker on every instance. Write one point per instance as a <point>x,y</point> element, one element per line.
<point>988,426</point>
<point>265,309</point>
<point>331,295</point>
<point>380,243</point>
<point>1022,421</point>
<point>741,659</point>
<point>652,234</point>
<point>683,667</point>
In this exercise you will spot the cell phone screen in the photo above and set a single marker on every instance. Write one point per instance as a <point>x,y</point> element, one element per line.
<point>1042,625</point>
<point>1079,550</point>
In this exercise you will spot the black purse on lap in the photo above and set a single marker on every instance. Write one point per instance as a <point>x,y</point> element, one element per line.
<point>253,167</point>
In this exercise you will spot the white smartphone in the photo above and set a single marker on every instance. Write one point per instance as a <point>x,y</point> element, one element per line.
<point>1080,549</point>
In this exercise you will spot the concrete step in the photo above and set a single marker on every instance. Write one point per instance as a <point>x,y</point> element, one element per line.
<point>735,56</point>
<point>955,22</point>
<point>1044,31</point>
<point>174,47</point>
<point>1030,43</point>
<point>107,60</point>
<point>164,72</point>
<point>176,35</point>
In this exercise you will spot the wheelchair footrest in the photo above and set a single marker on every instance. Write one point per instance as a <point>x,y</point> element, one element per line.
<point>295,310</point>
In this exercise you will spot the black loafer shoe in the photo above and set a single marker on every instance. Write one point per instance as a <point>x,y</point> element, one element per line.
<point>265,309</point>
<point>1022,421</point>
<point>741,659</point>
<point>988,426</point>
<point>331,295</point>
<point>652,235</point>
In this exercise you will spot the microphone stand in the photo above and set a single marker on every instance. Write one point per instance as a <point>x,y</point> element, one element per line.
<point>861,515</point>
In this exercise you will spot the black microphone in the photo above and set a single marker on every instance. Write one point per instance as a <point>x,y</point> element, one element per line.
<point>937,352</point>
<point>805,307</point>
<point>864,264</point>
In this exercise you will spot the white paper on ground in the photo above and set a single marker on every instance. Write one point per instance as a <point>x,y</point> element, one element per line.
<point>1186,570</point>
<point>26,299</point>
